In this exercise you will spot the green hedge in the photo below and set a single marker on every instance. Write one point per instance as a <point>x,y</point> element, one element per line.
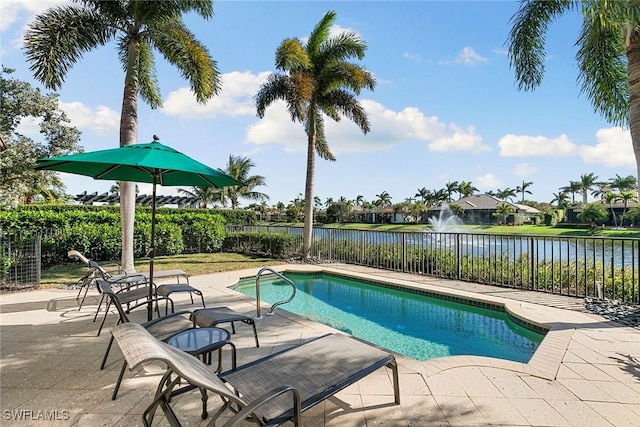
<point>274,245</point>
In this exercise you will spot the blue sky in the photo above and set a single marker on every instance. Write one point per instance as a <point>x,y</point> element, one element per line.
<point>446,107</point>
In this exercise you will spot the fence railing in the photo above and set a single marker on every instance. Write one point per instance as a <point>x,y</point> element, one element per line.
<point>575,266</point>
<point>20,260</point>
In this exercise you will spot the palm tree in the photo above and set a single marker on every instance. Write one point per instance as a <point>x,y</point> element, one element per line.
<point>573,188</point>
<point>503,210</point>
<point>506,194</point>
<point>450,188</point>
<point>328,202</point>
<point>317,202</point>
<point>360,200</point>
<point>206,196</point>
<point>608,55</point>
<point>58,37</point>
<point>384,199</point>
<point>466,189</point>
<point>626,197</point>
<point>623,183</point>
<point>523,188</point>
<point>438,197</point>
<point>561,199</point>
<point>238,167</point>
<point>587,182</point>
<point>317,79</point>
<point>423,193</point>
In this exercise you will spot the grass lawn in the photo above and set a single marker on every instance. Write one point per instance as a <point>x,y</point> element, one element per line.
<point>488,229</point>
<point>194,264</point>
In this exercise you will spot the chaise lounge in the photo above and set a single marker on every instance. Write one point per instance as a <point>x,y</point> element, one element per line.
<point>268,391</point>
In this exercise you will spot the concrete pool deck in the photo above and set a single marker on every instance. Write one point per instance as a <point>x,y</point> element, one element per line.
<point>586,372</point>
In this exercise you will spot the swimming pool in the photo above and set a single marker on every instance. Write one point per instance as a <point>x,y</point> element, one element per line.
<point>419,326</point>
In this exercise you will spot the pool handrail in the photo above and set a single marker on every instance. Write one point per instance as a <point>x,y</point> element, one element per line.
<point>273,307</point>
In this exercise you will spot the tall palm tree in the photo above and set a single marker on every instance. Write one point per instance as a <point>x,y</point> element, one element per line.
<point>573,188</point>
<point>58,37</point>
<point>384,199</point>
<point>561,199</point>
<point>608,55</point>
<point>423,193</point>
<point>317,79</point>
<point>523,188</point>
<point>506,194</point>
<point>623,183</point>
<point>466,189</point>
<point>238,167</point>
<point>450,188</point>
<point>587,182</point>
<point>360,200</point>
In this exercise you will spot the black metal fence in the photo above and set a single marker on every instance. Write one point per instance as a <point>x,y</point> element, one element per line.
<point>575,266</point>
<point>20,260</point>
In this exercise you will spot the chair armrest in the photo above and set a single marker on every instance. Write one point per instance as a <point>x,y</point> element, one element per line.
<point>147,301</point>
<point>237,419</point>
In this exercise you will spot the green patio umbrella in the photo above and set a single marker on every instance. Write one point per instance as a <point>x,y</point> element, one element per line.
<point>152,163</point>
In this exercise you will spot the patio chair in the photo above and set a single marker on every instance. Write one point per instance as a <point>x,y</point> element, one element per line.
<point>137,290</point>
<point>270,390</point>
<point>161,328</point>
<point>212,317</point>
<point>110,272</point>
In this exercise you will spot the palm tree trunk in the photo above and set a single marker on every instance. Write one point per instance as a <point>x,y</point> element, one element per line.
<point>128,136</point>
<point>308,197</point>
<point>633,72</point>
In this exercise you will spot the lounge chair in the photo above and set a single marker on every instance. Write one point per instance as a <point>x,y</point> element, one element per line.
<point>269,391</point>
<point>212,317</point>
<point>161,328</point>
<point>110,272</point>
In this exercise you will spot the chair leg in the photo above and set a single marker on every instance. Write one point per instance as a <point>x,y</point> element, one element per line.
<point>106,313</point>
<point>255,333</point>
<point>117,387</point>
<point>106,353</point>
<point>202,298</point>
<point>98,309</point>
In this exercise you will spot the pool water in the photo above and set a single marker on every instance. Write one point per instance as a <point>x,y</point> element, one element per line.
<point>418,326</point>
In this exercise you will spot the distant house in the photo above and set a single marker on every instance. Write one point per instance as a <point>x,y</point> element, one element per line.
<point>480,209</point>
<point>573,213</point>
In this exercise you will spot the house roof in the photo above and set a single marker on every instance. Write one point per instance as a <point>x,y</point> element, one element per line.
<point>479,202</point>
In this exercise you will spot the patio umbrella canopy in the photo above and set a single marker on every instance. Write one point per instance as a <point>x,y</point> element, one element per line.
<point>151,162</point>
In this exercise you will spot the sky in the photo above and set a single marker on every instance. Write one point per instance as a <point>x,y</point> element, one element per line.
<point>446,106</point>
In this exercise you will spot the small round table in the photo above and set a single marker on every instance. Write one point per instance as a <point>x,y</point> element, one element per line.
<point>202,342</point>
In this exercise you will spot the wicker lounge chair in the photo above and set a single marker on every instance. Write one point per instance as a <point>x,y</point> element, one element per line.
<point>269,391</point>
<point>161,328</point>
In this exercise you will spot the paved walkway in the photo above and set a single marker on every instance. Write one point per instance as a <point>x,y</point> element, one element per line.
<point>586,372</point>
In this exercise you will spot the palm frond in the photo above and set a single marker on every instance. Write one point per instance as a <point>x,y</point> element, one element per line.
<point>57,39</point>
<point>291,56</point>
<point>527,39</point>
<point>180,47</point>
<point>349,106</point>
<point>147,78</point>
<point>280,87</point>
<point>602,61</point>
<point>320,33</point>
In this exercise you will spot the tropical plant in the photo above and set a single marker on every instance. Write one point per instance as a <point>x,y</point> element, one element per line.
<point>57,38</point>
<point>522,189</point>
<point>503,210</point>
<point>593,212</point>
<point>423,193</point>
<point>626,197</point>
<point>238,167</point>
<point>450,188</point>
<point>623,183</point>
<point>506,194</point>
<point>206,196</point>
<point>466,189</point>
<point>608,55</point>
<point>383,199</point>
<point>316,79</point>
<point>360,200</point>
<point>587,182</point>
<point>572,188</point>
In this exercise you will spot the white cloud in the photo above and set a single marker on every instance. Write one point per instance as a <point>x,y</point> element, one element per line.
<point>12,11</point>
<point>415,57</point>
<point>487,182</point>
<point>29,126</point>
<point>613,148</point>
<point>524,169</point>
<point>388,129</point>
<point>102,120</point>
<point>466,56</point>
<point>235,98</point>
<point>541,146</point>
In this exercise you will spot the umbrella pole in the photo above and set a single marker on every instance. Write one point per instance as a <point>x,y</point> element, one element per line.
<point>153,249</point>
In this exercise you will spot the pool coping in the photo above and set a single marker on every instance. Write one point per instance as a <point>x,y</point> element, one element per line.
<point>545,362</point>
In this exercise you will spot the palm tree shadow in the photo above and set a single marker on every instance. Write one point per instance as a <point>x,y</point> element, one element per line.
<point>629,364</point>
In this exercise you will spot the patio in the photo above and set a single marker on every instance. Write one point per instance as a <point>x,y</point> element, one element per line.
<point>586,371</point>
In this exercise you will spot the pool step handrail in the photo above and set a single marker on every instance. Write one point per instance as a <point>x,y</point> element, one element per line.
<point>273,307</point>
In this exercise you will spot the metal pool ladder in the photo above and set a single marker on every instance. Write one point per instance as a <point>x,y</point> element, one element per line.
<point>273,307</point>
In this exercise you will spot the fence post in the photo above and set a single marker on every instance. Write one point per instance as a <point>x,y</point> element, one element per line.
<point>38,251</point>
<point>404,252</point>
